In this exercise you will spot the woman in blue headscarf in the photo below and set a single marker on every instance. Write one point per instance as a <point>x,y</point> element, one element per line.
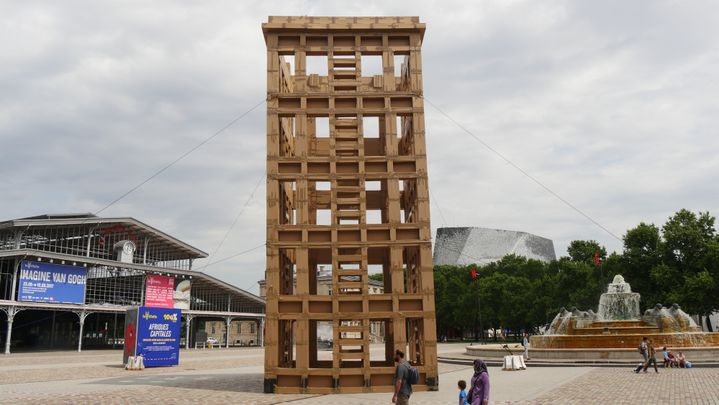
<point>479,391</point>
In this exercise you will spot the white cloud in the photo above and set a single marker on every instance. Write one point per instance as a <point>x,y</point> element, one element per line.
<point>610,104</point>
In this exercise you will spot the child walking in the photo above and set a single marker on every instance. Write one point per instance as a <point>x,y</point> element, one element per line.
<point>462,385</point>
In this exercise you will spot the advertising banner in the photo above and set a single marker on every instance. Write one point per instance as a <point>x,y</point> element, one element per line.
<point>182,294</point>
<point>48,282</point>
<point>158,336</point>
<point>159,291</point>
<point>167,292</point>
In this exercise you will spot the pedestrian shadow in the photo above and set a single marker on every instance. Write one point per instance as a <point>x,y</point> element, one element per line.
<point>240,382</point>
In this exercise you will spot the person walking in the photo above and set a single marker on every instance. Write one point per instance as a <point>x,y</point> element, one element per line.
<point>525,344</point>
<point>462,385</point>
<point>403,389</point>
<point>652,359</point>
<point>479,390</point>
<point>644,350</point>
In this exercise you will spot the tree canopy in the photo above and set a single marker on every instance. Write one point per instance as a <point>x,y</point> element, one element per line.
<point>677,263</point>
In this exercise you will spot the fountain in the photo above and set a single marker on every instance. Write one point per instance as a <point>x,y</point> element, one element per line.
<point>619,302</point>
<point>613,333</point>
<point>618,323</point>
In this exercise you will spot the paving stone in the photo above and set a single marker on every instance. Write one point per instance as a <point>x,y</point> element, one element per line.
<point>623,386</point>
<point>234,376</point>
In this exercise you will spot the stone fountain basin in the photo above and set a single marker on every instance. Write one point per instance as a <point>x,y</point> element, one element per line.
<point>625,341</point>
<point>495,351</point>
<point>617,330</point>
<point>620,323</point>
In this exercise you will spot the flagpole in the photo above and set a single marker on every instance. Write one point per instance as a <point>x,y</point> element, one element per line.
<point>479,311</point>
<point>476,315</point>
<point>475,275</point>
<point>598,262</point>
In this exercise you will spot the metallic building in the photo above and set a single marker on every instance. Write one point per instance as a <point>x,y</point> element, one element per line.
<point>118,255</point>
<point>467,245</point>
<point>347,192</point>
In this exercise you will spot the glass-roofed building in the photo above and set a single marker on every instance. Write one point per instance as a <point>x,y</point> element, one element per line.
<point>67,280</point>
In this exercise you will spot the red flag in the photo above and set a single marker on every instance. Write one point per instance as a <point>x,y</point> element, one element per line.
<point>596,258</point>
<point>474,273</point>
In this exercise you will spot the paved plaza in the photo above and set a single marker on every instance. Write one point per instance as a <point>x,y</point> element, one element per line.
<point>234,376</point>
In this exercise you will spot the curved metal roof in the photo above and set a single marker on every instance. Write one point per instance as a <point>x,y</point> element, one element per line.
<point>189,251</point>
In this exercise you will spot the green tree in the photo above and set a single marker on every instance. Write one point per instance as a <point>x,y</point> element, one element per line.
<point>642,255</point>
<point>686,237</point>
<point>492,287</point>
<point>543,301</point>
<point>454,300</point>
<point>577,284</point>
<point>584,250</point>
<point>678,262</point>
<point>689,248</point>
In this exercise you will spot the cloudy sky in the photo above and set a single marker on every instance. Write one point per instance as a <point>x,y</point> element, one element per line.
<point>612,104</point>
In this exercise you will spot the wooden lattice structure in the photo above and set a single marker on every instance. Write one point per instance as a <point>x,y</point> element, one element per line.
<point>347,195</point>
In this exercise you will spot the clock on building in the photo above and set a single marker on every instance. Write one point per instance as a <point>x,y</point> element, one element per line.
<point>125,250</point>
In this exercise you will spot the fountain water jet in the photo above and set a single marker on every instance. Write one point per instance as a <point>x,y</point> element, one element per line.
<point>619,302</point>
<point>618,323</point>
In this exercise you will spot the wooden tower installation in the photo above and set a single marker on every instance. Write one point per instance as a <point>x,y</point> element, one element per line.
<point>347,195</point>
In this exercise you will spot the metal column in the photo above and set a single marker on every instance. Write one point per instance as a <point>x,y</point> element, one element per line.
<point>81,315</point>
<point>188,320</point>
<point>228,322</point>
<point>14,280</point>
<point>11,312</point>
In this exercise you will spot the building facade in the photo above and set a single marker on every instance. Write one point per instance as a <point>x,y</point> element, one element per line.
<point>346,191</point>
<point>242,333</point>
<point>469,245</point>
<point>66,281</point>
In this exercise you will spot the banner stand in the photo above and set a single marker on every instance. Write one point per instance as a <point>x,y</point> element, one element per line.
<point>152,337</point>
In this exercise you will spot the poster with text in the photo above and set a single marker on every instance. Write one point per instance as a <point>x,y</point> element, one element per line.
<point>159,291</point>
<point>48,282</point>
<point>158,336</point>
<point>182,294</point>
